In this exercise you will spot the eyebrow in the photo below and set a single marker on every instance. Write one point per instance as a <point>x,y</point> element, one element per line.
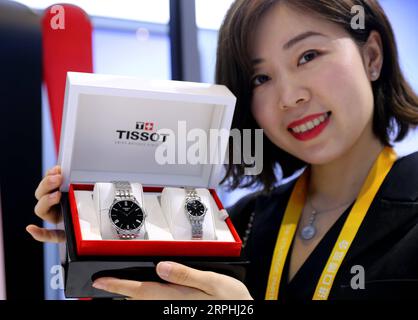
<point>301,37</point>
<point>293,42</point>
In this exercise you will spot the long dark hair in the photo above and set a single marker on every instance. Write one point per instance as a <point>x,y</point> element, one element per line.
<point>396,105</point>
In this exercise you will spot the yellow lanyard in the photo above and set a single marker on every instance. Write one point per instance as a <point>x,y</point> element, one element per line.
<point>293,213</point>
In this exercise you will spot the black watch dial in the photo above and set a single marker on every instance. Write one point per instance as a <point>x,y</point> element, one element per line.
<point>195,208</point>
<point>127,215</point>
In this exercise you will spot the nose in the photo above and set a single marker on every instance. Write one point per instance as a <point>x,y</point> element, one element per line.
<point>292,94</point>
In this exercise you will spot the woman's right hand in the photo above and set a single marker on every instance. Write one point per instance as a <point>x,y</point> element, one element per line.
<point>47,208</point>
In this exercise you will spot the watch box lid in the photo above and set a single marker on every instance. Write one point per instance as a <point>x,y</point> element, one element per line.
<point>157,132</point>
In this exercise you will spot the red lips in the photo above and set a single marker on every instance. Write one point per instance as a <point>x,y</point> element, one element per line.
<point>312,133</point>
<point>305,120</point>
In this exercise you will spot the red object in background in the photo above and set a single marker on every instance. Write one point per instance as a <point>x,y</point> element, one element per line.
<point>67,46</point>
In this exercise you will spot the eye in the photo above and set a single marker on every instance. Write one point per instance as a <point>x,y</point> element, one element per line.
<point>307,57</point>
<point>259,80</point>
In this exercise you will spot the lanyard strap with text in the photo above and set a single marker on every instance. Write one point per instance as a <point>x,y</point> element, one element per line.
<point>293,212</point>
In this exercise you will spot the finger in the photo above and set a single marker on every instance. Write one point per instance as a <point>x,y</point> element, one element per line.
<point>186,276</point>
<point>46,210</point>
<point>53,171</point>
<point>44,235</point>
<point>126,288</point>
<point>148,290</point>
<point>48,184</point>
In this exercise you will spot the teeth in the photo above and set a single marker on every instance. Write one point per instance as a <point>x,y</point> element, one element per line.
<point>310,124</point>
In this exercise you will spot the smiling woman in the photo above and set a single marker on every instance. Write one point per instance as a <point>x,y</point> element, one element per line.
<point>319,47</point>
<point>331,99</point>
<point>334,80</point>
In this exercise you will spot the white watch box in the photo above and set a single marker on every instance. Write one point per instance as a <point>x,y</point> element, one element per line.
<point>113,129</point>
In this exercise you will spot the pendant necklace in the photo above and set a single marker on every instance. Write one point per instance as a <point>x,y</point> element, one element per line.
<point>309,231</point>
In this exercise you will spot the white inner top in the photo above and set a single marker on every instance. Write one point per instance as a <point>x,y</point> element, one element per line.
<point>102,112</point>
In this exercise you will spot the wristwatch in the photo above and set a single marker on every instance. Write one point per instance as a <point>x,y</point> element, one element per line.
<point>126,214</point>
<point>196,211</point>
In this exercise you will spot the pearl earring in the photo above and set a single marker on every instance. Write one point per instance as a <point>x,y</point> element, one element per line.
<point>374,75</point>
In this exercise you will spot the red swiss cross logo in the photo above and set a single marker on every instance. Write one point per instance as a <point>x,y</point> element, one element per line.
<point>149,126</point>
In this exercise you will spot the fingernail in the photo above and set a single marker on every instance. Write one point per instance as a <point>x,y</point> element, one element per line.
<point>28,230</point>
<point>98,284</point>
<point>164,269</point>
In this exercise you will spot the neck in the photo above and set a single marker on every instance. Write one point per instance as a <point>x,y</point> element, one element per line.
<point>340,180</point>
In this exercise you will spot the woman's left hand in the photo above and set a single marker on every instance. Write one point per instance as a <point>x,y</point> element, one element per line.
<point>185,283</point>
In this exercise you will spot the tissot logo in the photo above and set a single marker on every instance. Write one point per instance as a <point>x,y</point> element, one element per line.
<point>147,126</point>
<point>144,131</point>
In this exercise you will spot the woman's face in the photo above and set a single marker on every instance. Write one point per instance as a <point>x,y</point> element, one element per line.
<point>312,95</point>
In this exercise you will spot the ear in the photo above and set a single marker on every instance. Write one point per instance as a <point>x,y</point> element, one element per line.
<point>373,56</point>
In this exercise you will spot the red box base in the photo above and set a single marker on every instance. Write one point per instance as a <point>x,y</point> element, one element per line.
<point>151,247</point>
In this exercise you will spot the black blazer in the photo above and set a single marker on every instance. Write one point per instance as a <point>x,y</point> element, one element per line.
<point>386,244</point>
